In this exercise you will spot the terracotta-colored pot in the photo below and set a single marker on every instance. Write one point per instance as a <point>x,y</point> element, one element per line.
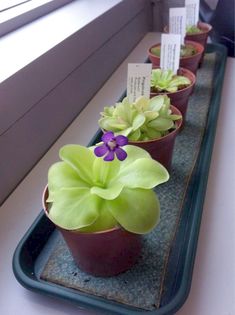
<point>191,62</point>
<point>180,98</point>
<point>103,254</point>
<point>201,37</point>
<point>162,149</point>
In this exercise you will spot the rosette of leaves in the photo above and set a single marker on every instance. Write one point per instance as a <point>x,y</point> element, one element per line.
<point>145,119</point>
<point>193,29</point>
<point>167,81</point>
<point>185,50</point>
<point>89,194</point>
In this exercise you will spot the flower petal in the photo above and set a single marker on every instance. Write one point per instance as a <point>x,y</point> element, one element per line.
<point>121,140</point>
<point>121,154</point>
<point>108,136</point>
<point>109,156</point>
<point>137,210</point>
<point>101,150</point>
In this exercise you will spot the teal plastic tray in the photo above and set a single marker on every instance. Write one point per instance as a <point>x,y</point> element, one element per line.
<point>31,253</point>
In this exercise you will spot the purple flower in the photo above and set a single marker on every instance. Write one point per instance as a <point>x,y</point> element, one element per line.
<point>111,146</point>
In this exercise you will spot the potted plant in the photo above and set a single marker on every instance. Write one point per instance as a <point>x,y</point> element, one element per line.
<point>199,33</point>
<point>103,205</point>
<point>190,55</point>
<point>148,123</point>
<point>178,87</point>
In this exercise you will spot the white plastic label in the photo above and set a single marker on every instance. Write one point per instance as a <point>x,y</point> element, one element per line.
<point>170,52</point>
<point>192,12</point>
<point>138,80</point>
<point>177,22</point>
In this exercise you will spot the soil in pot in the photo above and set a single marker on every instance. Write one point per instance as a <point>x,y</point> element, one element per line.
<point>103,254</point>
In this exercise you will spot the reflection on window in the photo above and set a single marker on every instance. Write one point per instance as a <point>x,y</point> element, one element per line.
<point>9,4</point>
<point>16,13</point>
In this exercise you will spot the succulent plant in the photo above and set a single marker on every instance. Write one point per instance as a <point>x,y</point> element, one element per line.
<point>167,81</point>
<point>185,50</point>
<point>88,193</point>
<point>193,29</point>
<point>145,119</point>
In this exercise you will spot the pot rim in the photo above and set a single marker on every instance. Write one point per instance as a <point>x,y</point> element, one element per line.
<point>178,91</point>
<point>203,26</point>
<point>198,46</point>
<point>46,212</point>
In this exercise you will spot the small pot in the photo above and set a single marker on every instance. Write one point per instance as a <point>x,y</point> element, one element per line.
<point>201,37</point>
<point>106,253</point>
<point>161,149</point>
<point>180,98</point>
<point>191,62</point>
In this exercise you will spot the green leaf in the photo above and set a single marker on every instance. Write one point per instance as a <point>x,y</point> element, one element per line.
<point>108,123</point>
<point>104,171</point>
<point>80,159</point>
<point>161,124</point>
<point>136,210</point>
<point>156,51</point>
<point>179,80</point>
<point>108,193</point>
<point>175,117</point>
<point>104,222</point>
<point>124,132</point>
<point>61,175</point>
<point>152,133</point>
<point>142,173</point>
<point>138,121</point>
<point>141,104</point>
<point>133,153</point>
<point>135,135</point>
<point>156,103</point>
<point>74,208</point>
<point>150,115</point>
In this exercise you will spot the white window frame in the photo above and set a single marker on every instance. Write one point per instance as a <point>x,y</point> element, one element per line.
<point>26,12</point>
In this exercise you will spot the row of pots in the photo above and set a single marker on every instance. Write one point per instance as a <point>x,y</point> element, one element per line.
<point>162,149</point>
<point>111,252</point>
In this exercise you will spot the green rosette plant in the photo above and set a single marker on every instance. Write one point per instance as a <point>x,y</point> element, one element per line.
<point>142,120</point>
<point>88,193</point>
<point>185,50</point>
<point>167,81</point>
<point>193,29</point>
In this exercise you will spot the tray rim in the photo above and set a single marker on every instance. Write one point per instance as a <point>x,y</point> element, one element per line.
<point>203,165</point>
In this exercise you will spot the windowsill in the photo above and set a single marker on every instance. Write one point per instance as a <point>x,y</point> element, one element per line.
<point>21,47</point>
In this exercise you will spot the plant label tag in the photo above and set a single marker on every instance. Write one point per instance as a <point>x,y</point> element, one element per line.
<point>177,22</point>
<point>192,12</point>
<point>170,52</point>
<point>138,80</point>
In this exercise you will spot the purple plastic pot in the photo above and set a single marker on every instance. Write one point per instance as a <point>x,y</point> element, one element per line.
<point>191,62</point>
<point>103,254</point>
<point>180,98</point>
<point>161,149</point>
